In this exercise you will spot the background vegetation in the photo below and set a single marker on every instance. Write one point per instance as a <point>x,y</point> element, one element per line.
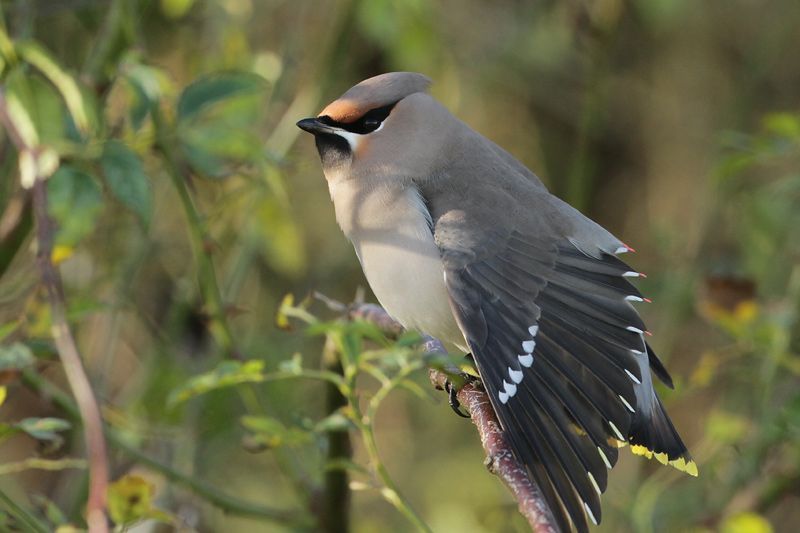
<point>186,207</point>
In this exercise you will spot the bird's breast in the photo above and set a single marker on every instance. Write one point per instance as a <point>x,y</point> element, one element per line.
<point>390,229</point>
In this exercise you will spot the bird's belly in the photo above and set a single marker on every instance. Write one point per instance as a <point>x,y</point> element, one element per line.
<point>390,229</point>
<point>408,280</point>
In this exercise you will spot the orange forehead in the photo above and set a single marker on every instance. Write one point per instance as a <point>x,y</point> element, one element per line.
<point>343,110</point>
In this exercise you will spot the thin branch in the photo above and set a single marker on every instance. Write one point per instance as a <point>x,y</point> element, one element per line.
<point>375,314</point>
<point>39,463</point>
<point>499,456</point>
<point>65,342</point>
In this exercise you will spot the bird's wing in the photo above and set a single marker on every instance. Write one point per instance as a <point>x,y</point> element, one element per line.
<point>556,342</point>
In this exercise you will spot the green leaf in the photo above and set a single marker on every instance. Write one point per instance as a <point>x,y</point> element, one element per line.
<point>783,124</point>
<point>415,389</point>
<point>42,103</point>
<point>45,429</point>
<point>280,236</point>
<point>126,179</point>
<point>54,515</point>
<point>148,85</point>
<point>334,422</point>
<point>175,9</point>
<point>16,357</point>
<point>216,126</point>
<point>726,427</point>
<point>226,374</point>
<point>293,365</point>
<point>219,150</point>
<point>216,88</point>
<point>345,464</point>
<point>6,430</point>
<point>66,84</point>
<point>270,432</point>
<point>74,200</point>
<point>7,329</point>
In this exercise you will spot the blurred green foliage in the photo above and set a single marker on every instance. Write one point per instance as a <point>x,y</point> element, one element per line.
<point>186,208</point>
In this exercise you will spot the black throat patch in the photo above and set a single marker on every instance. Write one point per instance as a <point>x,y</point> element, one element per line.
<point>333,149</point>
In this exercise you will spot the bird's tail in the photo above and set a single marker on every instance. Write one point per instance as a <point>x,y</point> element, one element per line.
<point>654,436</point>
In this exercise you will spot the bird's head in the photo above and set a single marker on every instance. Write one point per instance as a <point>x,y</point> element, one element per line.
<point>386,125</point>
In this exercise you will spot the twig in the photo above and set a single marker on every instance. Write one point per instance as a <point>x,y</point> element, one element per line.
<point>65,343</point>
<point>375,314</point>
<point>39,463</point>
<point>499,457</point>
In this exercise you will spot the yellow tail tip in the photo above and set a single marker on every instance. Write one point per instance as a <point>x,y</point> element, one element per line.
<point>690,467</point>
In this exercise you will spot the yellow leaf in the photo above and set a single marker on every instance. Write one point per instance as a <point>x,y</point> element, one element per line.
<point>130,499</point>
<point>706,370</point>
<point>47,162</point>
<point>61,253</point>
<point>175,9</point>
<point>22,121</point>
<point>746,522</point>
<point>281,320</point>
<point>27,169</point>
<point>746,311</point>
<point>3,394</point>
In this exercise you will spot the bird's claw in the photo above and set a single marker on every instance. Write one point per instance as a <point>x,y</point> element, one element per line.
<point>452,395</point>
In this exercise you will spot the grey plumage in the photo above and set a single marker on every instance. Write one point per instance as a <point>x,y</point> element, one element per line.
<point>461,241</point>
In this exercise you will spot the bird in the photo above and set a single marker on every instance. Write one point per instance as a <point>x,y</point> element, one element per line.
<point>459,240</point>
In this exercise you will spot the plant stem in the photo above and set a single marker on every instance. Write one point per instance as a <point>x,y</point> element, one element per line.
<point>38,463</point>
<point>111,29</point>
<point>201,245</point>
<point>65,342</point>
<point>500,458</point>
<point>389,491</point>
<point>364,423</point>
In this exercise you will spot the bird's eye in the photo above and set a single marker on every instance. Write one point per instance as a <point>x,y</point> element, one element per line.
<point>370,121</point>
<point>371,124</point>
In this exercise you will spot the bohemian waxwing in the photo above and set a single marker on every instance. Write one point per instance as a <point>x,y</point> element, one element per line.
<point>460,241</point>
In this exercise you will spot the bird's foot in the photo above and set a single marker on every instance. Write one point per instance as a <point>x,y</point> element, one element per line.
<point>452,395</point>
<point>452,392</point>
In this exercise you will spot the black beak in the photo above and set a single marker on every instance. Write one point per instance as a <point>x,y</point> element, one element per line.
<point>314,126</point>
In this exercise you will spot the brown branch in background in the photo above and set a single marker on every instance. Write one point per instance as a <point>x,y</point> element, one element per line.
<point>499,458</point>
<point>64,341</point>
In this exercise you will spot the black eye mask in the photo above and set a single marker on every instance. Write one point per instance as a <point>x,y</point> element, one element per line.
<point>369,122</point>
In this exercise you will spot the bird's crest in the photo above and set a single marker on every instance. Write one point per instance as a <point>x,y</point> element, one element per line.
<point>378,91</point>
